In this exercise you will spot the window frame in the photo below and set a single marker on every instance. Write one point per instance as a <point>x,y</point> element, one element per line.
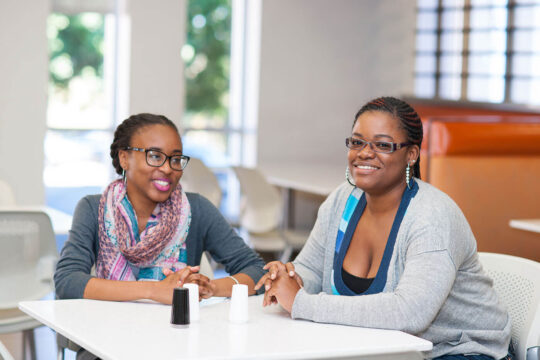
<point>438,7</point>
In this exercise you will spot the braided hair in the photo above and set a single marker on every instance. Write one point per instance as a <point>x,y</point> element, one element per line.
<point>125,131</point>
<point>408,120</point>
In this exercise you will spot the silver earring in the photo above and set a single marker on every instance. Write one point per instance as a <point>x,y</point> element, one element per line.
<point>408,175</point>
<point>348,177</point>
<point>124,176</point>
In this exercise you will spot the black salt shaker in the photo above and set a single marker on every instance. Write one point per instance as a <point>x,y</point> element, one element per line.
<point>180,307</point>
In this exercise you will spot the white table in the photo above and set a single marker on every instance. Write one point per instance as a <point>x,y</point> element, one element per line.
<point>134,330</point>
<point>61,221</point>
<point>526,224</point>
<point>314,178</point>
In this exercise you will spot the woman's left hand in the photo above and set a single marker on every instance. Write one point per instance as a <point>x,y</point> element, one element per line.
<point>284,289</point>
<point>206,287</point>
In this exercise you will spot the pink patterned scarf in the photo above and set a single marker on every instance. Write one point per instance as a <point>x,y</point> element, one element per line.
<point>123,252</point>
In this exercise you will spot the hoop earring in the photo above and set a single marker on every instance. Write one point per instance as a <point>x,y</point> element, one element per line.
<point>347,176</point>
<point>124,176</point>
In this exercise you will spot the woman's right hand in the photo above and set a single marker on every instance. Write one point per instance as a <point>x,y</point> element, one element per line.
<point>274,268</point>
<point>163,290</point>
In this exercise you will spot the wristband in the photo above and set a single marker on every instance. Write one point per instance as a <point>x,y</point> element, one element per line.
<point>232,277</point>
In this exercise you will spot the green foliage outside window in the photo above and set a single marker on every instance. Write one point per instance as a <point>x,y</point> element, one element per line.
<point>75,47</point>
<point>207,57</point>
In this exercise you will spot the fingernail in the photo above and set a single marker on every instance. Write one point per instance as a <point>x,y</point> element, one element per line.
<point>267,287</point>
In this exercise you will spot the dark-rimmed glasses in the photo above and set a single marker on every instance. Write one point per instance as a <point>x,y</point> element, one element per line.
<point>157,158</point>
<point>385,147</point>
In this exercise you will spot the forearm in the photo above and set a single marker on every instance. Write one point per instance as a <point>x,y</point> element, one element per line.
<point>411,306</point>
<point>223,287</point>
<point>113,290</point>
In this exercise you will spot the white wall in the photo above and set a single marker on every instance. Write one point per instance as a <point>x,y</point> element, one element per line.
<point>320,61</point>
<point>156,70</point>
<point>23,97</point>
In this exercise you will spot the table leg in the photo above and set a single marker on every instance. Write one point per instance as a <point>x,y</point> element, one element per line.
<point>288,208</point>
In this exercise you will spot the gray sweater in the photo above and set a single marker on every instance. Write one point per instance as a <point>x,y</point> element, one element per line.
<point>436,288</point>
<point>208,231</point>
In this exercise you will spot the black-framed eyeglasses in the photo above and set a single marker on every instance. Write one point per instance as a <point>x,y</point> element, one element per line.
<point>157,158</point>
<point>385,147</point>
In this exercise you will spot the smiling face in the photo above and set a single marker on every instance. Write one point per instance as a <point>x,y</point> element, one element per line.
<point>148,185</point>
<point>377,173</point>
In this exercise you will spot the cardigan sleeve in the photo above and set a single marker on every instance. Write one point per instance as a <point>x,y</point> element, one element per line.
<point>421,292</point>
<point>79,252</point>
<point>317,253</point>
<point>223,243</point>
<point>309,263</point>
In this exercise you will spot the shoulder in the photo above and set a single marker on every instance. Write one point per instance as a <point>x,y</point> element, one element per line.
<point>434,221</point>
<point>85,217</point>
<point>430,202</point>
<point>339,196</point>
<point>88,205</point>
<point>197,200</point>
<point>91,200</point>
<point>331,209</point>
<point>201,205</point>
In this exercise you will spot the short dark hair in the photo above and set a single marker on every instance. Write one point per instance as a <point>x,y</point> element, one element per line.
<point>128,127</point>
<point>407,116</point>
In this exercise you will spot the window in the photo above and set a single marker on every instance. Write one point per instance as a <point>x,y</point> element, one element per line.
<point>81,112</point>
<point>218,126</point>
<point>478,50</point>
<point>206,55</point>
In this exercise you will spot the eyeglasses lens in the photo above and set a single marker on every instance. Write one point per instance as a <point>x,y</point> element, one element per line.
<point>377,146</point>
<point>157,159</point>
<point>178,162</point>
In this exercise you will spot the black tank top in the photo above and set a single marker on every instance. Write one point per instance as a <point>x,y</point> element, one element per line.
<point>357,284</point>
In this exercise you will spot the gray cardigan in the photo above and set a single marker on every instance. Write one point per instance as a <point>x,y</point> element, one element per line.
<point>436,288</point>
<point>208,231</point>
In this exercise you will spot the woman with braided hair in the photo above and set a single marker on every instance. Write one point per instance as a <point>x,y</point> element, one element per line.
<point>144,234</point>
<point>390,251</point>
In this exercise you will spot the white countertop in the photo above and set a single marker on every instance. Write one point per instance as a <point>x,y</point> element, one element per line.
<point>526,224</point>
<point>307,177</point>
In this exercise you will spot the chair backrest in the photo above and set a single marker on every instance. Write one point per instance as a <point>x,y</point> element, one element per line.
<point>4,353</point>
<point>27,256</point>
<point>198,178</point>
<point>7,196</point>
<point>261,205</point>
<point>517,282</point>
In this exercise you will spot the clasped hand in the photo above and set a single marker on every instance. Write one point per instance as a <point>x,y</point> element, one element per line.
<point>281,284</point>
<point>189,274</point>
